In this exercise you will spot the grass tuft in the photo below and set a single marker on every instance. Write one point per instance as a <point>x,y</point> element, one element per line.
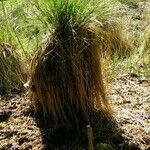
<point>11,75</point>
<point>114,41</point>
<point>66,77</point>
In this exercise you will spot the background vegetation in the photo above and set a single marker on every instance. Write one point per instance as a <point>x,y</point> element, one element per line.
<point>23,25</point>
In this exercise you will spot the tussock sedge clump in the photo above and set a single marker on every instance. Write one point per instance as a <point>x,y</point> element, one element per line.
<point>11,74</point>
<point>114,41</point>
<point>66,76</point>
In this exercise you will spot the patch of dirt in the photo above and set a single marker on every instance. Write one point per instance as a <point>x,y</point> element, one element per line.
<point>18,131</point>
<point>131,100</point>
<point>130,97</point>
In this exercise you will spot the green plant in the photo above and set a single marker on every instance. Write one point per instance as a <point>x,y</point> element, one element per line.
<point>12,74</point>
<point>145,52</point>
<point>25,29</point>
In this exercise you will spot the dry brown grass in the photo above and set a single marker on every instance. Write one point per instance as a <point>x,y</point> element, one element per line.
<point>11,74</point>
<point>114,40</point>
<point>66,77</point>
<point>144,54</point>
<point>146,43</point>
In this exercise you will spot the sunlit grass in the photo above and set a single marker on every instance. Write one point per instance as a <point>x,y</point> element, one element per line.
<point>23,25</point>
<point>12,74</point>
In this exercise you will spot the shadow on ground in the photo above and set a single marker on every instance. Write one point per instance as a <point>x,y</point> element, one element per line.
<point>70,136</point>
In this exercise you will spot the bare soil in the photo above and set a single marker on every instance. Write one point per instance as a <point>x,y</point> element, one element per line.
<point>130,98</point>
